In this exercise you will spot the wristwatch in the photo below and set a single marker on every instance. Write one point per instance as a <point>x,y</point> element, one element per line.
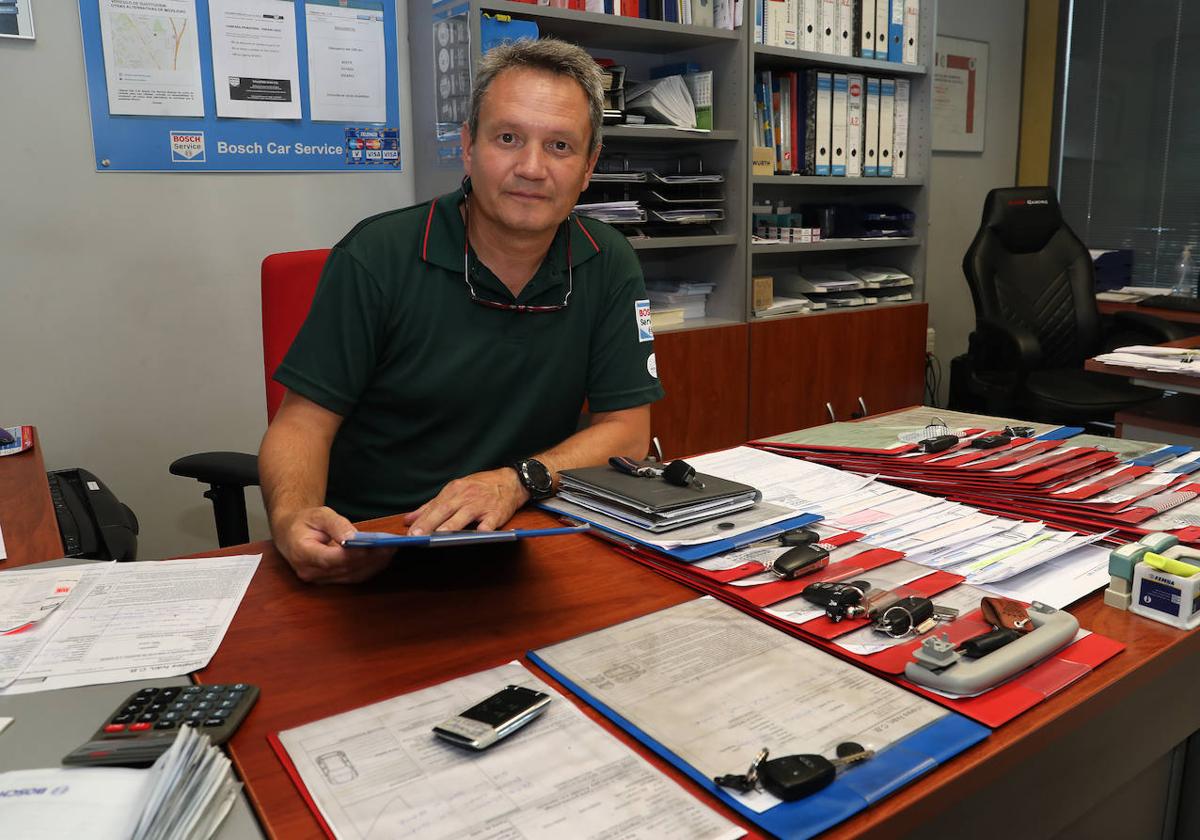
<point>535,478</point>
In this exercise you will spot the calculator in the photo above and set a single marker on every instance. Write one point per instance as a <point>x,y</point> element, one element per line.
<point>144,726</point>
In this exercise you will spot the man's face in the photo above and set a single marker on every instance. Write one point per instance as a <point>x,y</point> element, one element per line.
<point>530,157</point>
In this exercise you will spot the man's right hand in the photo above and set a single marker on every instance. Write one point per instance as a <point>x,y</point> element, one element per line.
<point>311,539</point>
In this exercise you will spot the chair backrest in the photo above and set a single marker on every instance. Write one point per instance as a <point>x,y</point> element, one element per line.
<point>289,282</point>
<point>1026,266</point>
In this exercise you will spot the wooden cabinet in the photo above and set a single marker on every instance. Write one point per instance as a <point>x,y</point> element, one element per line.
<point>799,365</point>
<point>706,376</point>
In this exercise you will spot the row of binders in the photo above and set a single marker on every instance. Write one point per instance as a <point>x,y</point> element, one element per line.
<point>885,30</point>
<point>722,14</point>
<point>820,122</point>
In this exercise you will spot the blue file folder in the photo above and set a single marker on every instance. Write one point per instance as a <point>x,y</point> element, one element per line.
<point>852,791</point>
<point>445,539</point>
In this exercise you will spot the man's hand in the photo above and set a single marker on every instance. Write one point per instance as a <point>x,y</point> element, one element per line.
<point>311,540</point>
<point>487,498</point>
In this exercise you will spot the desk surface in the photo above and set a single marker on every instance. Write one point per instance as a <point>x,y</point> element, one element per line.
<point>26,512</point>
<point>1180,316</point>
<point>1157,378</point>
<point>317,651</point>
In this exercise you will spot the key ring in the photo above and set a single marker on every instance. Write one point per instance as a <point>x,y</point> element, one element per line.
<point>885,624</point>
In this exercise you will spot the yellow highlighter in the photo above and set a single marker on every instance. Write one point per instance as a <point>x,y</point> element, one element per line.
<point>1170,565</point>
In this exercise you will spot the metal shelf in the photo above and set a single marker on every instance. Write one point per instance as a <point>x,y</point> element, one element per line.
<point>657,242</point>
<point>771,55</point>
<point>612,32</point>
<point>836,245</point>
<point>625,132</point>
<point>697,324</point>
<point>829,181</point>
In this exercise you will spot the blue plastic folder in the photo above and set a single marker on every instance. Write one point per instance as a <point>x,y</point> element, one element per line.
<point>446,539</point>
<point>700,551</point>
<point>852,791</point>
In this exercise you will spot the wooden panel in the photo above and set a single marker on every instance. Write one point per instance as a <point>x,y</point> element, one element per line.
<point>26,513</point>
<point>705,374</point>
<point>797,365</point>
<point>1037,92</point>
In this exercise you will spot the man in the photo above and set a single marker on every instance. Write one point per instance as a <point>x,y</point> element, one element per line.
<point>451,346</point>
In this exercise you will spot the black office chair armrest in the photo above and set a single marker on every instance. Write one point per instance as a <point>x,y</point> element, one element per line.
<point>1003,345</point>
<point>238,469</point>
<point>1150,329</point>
<point>228,474</point>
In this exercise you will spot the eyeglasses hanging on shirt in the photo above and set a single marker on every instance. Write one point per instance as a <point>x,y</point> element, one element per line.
<point>496,304</point>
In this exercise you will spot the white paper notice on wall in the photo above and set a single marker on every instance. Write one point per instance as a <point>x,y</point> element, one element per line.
<point>959,95</point>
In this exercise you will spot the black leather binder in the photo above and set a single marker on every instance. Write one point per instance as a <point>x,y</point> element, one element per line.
<point>652,503</point>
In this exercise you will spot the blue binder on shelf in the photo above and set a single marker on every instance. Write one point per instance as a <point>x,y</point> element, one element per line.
<point>852,791</point>
<point>895,50</point>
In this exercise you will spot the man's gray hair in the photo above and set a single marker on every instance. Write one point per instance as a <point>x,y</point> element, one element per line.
<point>548,54</point>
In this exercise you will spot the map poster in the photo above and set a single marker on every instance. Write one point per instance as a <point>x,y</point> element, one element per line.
<point>152,58</point>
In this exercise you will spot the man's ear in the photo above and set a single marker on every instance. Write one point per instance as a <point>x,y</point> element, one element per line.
<point>467,147</point>
<point>591,167</point>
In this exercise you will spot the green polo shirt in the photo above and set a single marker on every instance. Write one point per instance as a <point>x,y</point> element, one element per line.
<point>432,385</point>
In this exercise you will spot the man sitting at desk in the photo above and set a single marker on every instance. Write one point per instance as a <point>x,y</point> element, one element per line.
<point>451,345</point>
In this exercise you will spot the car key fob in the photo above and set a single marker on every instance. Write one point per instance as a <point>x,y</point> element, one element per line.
<point>824,593</point>
<point>990,441</point>
<point>978,646</point>
<point>937,444</point>
<point>794,777</point>
<point>799,536</point>
<point>800,560</point>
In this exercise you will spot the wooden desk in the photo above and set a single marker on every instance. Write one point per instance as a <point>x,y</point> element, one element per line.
<point>317,651</point>
<point>1173,418</point>
<point>26,513</point>
<point>1150,378</point>
<point>1179,316</point>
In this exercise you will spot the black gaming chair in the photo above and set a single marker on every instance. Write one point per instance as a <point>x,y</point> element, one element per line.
<point>1036,319</point>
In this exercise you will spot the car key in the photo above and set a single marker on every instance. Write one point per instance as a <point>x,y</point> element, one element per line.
<point>794,777</point>
<point>799,536</point>
<point>937,444</point>
<point>744,782</point>
<point>800,560</point>
<point>913,614</point>
<point>835,598</point>
<point>990,441</point>
<point>982,645</point>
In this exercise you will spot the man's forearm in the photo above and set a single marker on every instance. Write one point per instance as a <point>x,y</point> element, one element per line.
<point>621,433</point>
<point>292,470</point>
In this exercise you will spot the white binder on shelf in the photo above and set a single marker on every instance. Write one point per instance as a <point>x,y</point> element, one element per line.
<point>900,135</point>
<point>871,129</point>
<point>791,36</point>
<point>887,125</point>
<point>837,141</point>
<point>845,27</point>
<point>855,96</point>
<point>828,44</point>
<point>882,14</point>
<point>810,13</point>
<point>775,20</point>
<point>866,16</point>
<point>824,121</point>
<point>912,30</point>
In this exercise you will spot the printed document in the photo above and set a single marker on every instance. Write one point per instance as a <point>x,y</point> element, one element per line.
<point>126,621</point>
<point>151,58</point>
<point>255,71</point>
<point>715,686</point>
<point>379,771</point>
<point>347,68</point>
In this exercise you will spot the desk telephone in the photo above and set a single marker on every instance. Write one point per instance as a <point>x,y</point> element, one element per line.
<point>92,521</point>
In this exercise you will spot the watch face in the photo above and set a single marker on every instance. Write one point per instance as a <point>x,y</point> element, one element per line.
<point>539,480</point>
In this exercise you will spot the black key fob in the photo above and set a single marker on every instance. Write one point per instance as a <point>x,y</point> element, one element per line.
<point>800,560</point>
<point>796,776</point>
<point>990,441</point>
<point>824,593</point>
<point>937,444</point>
<point>799,536</point>
<point>904,616</point>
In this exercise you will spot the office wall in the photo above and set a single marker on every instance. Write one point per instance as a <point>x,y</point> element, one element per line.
<point>129,303</point>
<point>960,179</point>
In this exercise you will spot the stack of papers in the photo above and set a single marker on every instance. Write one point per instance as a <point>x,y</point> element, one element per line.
<point>782,305</point>
<point>691,296</point>
<point>815,281</point>
<point>881,277</point>
<point>666,101</point>
<point>184,796</point>
<point>1152,358</point>
<point>613,212</point>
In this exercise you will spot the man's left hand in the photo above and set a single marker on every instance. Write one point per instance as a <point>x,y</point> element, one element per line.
<point>488,499</point>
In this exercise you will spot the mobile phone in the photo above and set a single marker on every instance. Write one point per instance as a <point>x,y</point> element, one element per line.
<point>499,715</point>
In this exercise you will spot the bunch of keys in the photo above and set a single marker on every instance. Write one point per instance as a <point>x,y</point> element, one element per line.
<point>794,777</point>
<point>804,556</point>
<point>680,473</point>
<point>913,614</point>
<point>837,599</point>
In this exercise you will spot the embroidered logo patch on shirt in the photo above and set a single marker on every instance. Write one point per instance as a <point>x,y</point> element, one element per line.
<point>641,311</point>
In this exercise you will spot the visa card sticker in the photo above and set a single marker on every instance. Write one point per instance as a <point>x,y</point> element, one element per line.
<point>641,311</point>
<point>373,146</point>
<point>16,439</point>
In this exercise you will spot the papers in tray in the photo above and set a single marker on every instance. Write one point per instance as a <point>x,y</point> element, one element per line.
<point>379,771</point>
<point>666,100</point>
<point>186,794</point>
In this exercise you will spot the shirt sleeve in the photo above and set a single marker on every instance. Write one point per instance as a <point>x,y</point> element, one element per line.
<point>333,357</point>
<point>622,370</point>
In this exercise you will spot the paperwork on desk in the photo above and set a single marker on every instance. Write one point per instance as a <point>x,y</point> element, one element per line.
<point>122,621</point>
<point>1155,359</point>
<point>379,771</point>
<point>184,796</point>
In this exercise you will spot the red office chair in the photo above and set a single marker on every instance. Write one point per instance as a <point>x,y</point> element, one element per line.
<point>289,282</point>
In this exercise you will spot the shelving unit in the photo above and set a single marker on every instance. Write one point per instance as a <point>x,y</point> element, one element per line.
<point>758,359</point>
